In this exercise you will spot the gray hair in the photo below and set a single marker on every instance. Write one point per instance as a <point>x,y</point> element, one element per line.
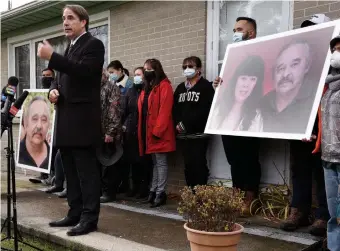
<point>36,98</point>
<point>296,42</point>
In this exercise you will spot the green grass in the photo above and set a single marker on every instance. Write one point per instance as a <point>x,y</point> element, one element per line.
<point>43,245</point>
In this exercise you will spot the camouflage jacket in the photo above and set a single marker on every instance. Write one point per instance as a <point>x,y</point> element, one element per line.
<point>111,110</point>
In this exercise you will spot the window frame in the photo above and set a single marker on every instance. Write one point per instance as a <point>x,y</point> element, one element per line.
<point>213,30</point>
<point>98,19</point>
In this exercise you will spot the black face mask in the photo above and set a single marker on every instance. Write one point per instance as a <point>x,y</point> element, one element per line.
<point>149,75</point>
<point>46,82</point>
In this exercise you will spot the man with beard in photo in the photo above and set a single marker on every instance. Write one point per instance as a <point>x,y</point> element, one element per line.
<point>286,109</point>
<point>34,149</point>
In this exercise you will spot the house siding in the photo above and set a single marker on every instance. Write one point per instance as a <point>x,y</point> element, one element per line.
<point>305,9</point>
<point>4,63</point>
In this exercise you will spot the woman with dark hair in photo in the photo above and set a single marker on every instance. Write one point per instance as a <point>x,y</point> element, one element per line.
<point>192,102</point>
<point>156,133</point>
<point>240,106</point>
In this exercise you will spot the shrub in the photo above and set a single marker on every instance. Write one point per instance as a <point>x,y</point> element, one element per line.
<point>211,208</point>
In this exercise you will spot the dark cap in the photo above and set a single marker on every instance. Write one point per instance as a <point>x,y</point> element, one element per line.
<point>334,41</point>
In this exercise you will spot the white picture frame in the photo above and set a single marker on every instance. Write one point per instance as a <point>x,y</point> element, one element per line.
<point>316,37</point>
<point>20,162</point>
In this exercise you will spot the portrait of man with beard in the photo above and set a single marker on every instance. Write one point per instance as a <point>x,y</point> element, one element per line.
<point>286,109</point>
<point>34,150</point>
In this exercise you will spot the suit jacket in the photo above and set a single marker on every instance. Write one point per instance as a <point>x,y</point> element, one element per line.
<point>78,111</point>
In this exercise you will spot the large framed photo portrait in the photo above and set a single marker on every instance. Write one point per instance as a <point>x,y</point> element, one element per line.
<point>35,139</point>
<point>272,86</point>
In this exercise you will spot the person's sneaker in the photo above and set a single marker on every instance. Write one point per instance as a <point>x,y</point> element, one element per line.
<point>48,181</point>
<point>318,228</point>
<point>295,220</point>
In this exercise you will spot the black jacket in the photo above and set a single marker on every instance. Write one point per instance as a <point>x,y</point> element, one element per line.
<point>78,109</point>
<point>192,107</point>
<point>130,122</point>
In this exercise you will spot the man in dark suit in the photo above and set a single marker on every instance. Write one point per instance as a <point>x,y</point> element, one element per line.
<point>76,93</point>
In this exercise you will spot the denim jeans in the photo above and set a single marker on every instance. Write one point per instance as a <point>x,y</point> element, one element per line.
<point>332,181</point>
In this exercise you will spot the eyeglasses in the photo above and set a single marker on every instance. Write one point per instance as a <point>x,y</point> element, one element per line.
<point>188,66</point>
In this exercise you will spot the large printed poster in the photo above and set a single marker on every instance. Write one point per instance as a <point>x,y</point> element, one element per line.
<point>272,85</point>
<point>36,132</point>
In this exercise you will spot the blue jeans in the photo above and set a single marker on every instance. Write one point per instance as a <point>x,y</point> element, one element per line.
<point>332,182</point>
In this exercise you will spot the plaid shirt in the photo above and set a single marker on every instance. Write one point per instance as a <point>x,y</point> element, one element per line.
<point>111,110</point>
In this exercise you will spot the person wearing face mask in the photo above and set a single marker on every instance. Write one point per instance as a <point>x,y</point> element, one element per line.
<point>235,147</point>
<point>111,134</point>
<point>48,76</point>
<point>244,29</point>
<point>328,143</point>
<point>139,167</point>
<point>118,76</point>
<point>192,101</point>
<point>156,133</point>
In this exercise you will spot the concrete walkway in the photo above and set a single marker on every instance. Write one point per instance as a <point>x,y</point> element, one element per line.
<point>125,226</point>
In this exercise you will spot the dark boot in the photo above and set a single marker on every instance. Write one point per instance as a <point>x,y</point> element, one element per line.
<point>159,200</point>
<point>295,220</point>
<point>318,228</point>
<point>150,199</point>
<point>132,192</point>
<point>105,198</point>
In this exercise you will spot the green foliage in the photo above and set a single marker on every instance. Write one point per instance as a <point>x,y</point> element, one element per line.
<point>43,245</point>
<point>272,203</point>
<point>211,208</point>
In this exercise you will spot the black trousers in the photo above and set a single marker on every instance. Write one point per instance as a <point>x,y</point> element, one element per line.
<point>83,183</point>
<point>307,167</point>
<point>141,174</point>
<point>111,178</point>
<point>243,156</point>
<point>59,171</point>
<point>195,162</point>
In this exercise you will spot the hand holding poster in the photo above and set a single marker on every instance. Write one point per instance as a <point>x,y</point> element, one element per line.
<point>36,132</point>
<point>272,85</point>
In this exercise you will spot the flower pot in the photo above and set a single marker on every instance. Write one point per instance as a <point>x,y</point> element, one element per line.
<point>214,241</point>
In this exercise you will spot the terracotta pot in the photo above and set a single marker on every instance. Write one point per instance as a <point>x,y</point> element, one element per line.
<point>214,241</point>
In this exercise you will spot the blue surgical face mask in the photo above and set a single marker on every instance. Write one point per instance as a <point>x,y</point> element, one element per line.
<point>137,80</point>
<point>113,77</point>
<point>238,37</point>
<point>189,72</point>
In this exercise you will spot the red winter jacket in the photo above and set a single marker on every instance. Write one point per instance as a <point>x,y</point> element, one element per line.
<point>159,120</point>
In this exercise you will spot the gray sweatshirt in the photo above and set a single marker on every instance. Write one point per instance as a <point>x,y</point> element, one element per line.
<point>330,117</point>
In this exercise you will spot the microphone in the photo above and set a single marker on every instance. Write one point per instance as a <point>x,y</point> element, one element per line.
<point>9,112</point>
<point>17,104</point>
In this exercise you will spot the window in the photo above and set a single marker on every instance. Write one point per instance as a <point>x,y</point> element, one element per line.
<point>271,17</point>
<point>60,44</point>
<point>22,67</point>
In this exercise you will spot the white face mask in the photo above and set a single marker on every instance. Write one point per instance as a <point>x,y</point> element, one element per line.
<point>237,37</point>
<point>335,60</point>
<point>189,72</point>
<point>137,80</point>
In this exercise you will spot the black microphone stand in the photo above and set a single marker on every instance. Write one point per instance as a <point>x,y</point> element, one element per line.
<point>11,193</point>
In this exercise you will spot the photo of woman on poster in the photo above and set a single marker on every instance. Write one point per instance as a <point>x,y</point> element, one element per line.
<point>242,97</point>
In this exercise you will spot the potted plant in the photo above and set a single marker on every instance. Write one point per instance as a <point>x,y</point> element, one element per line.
<point>210,213</point>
